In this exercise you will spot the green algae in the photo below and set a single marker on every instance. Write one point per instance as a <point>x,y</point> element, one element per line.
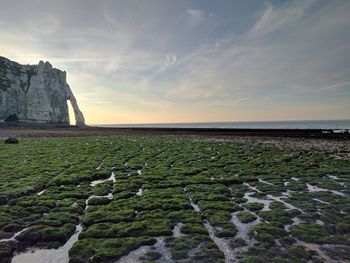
<point>266,232</point>
<point>45,183</point>
<point>184,247</point>
<point>246,217</point>
<point>254,206</point>
<point>237,242</point>
<point>88,250</point>
<point>311,233</point>
<point>6,252</point>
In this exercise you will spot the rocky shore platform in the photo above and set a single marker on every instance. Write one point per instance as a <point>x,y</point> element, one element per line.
<point>46,130</point>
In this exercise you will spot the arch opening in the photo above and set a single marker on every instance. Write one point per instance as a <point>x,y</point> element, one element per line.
<point>71,114</point>
<point>12,118</point>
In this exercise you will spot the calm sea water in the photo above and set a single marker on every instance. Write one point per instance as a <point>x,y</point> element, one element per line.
<point>310,124</point>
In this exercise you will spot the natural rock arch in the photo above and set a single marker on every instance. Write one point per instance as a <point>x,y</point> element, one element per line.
<point>36,93</point>
<point>12,118</point>
<point>79,117</point>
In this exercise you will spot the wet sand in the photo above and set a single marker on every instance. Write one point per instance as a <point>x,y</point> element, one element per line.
<point>29,131</point>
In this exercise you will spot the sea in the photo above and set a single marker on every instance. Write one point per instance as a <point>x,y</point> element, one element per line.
<point>338,125</point>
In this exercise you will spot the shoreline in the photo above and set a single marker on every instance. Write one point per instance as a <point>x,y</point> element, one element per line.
<point>42,131</point>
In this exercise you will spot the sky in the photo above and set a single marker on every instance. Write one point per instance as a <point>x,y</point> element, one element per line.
<point>156,61</point>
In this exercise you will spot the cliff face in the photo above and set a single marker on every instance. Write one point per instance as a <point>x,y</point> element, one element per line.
<point>35,94</point>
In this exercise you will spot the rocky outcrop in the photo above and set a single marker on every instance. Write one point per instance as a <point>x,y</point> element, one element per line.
<point>35,94</point>
<point>11,140</point>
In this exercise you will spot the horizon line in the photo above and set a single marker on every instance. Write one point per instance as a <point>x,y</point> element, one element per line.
<point>202,122</point>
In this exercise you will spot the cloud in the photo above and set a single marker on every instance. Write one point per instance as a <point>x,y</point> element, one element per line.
<point>331,87</point>
<point>288,46</point>
<point>195,16</point>
<point>177,54</point>
<point>273,20</point>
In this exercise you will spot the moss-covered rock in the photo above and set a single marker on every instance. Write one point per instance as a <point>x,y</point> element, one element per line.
<point>105,250</point>
<point>312,233</point>
<point>254,206</point>
<point>237,242</point>
<point>266,232</point>
<point>246,217</point>
<point>50,199</point>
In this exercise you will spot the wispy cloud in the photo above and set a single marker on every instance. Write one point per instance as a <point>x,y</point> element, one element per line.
<point>178,56</point>
<point>195,16</point>
<point>277,52</point>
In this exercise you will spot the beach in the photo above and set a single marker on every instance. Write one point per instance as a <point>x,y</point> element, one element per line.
<point>174,131</point>
<point>136,195</point>
<point>37,131</point>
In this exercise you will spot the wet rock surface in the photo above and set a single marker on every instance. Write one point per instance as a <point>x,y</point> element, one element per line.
<point>11,140</point>
<point>166,199</point>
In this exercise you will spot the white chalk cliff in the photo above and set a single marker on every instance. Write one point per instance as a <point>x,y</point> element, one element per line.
<point>35,94</point>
